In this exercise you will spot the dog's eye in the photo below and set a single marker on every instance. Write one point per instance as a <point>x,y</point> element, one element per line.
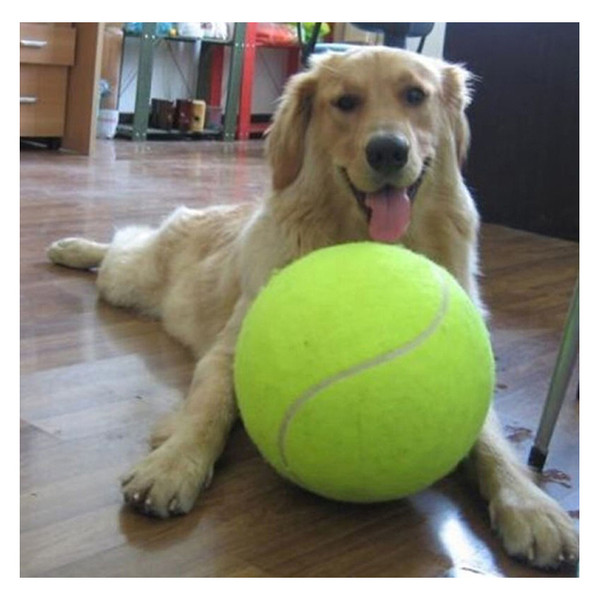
<point>347,102</point>
<point>414,96</point>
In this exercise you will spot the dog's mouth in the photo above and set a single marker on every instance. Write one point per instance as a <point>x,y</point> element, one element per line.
<point>387,209</point>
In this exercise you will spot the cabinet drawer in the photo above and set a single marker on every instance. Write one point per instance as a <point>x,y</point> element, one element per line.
<point>47,44</point>
<point>43,96</point>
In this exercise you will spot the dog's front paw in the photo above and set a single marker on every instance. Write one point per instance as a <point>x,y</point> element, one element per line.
<point>533,526</point>
<point>167,482</point>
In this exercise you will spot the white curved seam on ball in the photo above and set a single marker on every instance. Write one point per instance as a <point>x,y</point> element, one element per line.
<point>356,369</point>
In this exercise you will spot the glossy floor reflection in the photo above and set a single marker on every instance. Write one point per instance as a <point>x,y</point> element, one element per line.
<point>94,379</point>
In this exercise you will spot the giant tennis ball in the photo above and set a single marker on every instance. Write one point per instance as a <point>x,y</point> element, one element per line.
<point>363,372</point>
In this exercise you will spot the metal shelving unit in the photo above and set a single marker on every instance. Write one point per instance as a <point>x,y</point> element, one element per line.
<point>139,130</point>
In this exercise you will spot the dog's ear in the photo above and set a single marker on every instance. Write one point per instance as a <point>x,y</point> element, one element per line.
<point>285,137</point>
<point>457,94</point>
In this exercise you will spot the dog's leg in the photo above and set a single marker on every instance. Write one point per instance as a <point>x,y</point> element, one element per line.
<point>530,523</point>
<point>168,481</point>
<point>77,253</point>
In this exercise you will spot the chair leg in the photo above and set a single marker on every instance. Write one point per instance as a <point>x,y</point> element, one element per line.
<point>558,385</point>
<point>308,47</point>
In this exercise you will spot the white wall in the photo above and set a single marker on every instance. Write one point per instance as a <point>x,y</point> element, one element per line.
<point>174,74</point>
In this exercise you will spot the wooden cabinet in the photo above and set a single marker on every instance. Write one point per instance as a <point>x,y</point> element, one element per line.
<point>47,52</point>
<point>48,43</point>
<point>59,68</point>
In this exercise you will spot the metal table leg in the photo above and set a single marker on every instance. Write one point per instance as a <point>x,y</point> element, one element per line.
<point>558,386</point>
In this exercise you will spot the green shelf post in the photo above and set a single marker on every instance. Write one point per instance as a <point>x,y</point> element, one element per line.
<point>144,82</point>
<point>233,85</point>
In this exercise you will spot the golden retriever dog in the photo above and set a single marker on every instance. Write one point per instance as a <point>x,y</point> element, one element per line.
<point>366,145</point>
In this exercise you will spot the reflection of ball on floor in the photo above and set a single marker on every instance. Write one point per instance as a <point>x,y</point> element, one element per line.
<point>363,372</point>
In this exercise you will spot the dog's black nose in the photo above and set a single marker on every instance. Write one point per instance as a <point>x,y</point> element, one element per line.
<point>387,152</point>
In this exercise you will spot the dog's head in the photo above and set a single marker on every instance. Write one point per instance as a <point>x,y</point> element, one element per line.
<point>375,120</point>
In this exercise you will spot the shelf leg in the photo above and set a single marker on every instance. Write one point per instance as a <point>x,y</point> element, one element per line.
<point>144,82</point>
<point>247,82</point>
<point>233,85</point>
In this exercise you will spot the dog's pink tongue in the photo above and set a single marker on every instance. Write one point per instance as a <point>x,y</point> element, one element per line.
<point>390,215</point>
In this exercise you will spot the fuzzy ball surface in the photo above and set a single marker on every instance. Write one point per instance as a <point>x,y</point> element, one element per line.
<point>363,372</point>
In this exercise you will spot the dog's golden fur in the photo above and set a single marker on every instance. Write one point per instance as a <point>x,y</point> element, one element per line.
<point>199,271</point>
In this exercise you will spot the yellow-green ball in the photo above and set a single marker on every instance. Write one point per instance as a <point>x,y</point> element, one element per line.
<point>363,372</point>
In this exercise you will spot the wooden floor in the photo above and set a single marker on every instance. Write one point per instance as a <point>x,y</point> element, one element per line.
<point>94,378</point>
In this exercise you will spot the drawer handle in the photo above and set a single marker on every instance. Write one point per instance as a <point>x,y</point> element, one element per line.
<point>33,43</point>
<point>28,99</point>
